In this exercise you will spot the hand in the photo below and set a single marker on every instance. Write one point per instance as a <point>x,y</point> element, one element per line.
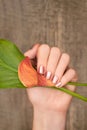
<point>55,66</point>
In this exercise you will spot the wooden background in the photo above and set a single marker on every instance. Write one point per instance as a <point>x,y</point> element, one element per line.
<point>61,23</point>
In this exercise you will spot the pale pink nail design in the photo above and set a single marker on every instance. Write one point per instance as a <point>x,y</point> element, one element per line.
<point>59,85</point>
<point>55,79</point>
<point>48,75</point>
<point>41,70</point>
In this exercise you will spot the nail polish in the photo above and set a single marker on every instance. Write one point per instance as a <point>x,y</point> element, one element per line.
<point>48,75</point>
<point>55,79</point>
<point>41,70</point>
<point>59,85</point>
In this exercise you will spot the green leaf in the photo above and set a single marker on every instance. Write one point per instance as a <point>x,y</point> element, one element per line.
<point>10,57</point>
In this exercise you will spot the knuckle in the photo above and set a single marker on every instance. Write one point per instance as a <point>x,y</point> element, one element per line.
<point>75,75</point>
<point>73,71</point>
<point>67,56</point>
<point>44,46</point>
<point>56,50</point>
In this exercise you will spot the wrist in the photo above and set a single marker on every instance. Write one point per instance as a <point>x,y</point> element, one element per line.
<point>48,119</point>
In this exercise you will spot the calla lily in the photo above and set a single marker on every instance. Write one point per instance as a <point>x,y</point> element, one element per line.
<point>29,76</point>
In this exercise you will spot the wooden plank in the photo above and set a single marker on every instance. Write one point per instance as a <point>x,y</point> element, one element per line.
<point>62,23</point>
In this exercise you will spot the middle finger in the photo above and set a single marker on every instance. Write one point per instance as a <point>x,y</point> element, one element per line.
<point>52,62</point>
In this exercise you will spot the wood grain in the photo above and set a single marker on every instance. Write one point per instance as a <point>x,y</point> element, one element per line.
<point>61,23</point>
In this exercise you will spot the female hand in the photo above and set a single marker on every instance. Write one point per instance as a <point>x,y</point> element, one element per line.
<point>53,64</point>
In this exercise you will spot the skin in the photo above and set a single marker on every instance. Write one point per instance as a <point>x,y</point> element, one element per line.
<point>50,106</point>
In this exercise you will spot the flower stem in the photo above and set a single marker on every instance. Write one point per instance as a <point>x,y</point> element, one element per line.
<point>77,84</point>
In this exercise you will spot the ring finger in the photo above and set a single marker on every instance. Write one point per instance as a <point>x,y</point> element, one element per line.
<point>62,65</point>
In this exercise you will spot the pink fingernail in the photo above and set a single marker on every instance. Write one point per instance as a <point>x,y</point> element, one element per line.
<point>41,70</point>
<point>55,79</point>
<point>59,85</point>
<point>48,75</point>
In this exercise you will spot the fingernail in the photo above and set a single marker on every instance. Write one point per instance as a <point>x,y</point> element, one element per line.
<point>55,79</point>
<point>41,70</point>
<point>48,74</point>
<point>59,85</point>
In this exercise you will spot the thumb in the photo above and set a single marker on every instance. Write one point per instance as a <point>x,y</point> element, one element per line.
<point>32,52</point>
